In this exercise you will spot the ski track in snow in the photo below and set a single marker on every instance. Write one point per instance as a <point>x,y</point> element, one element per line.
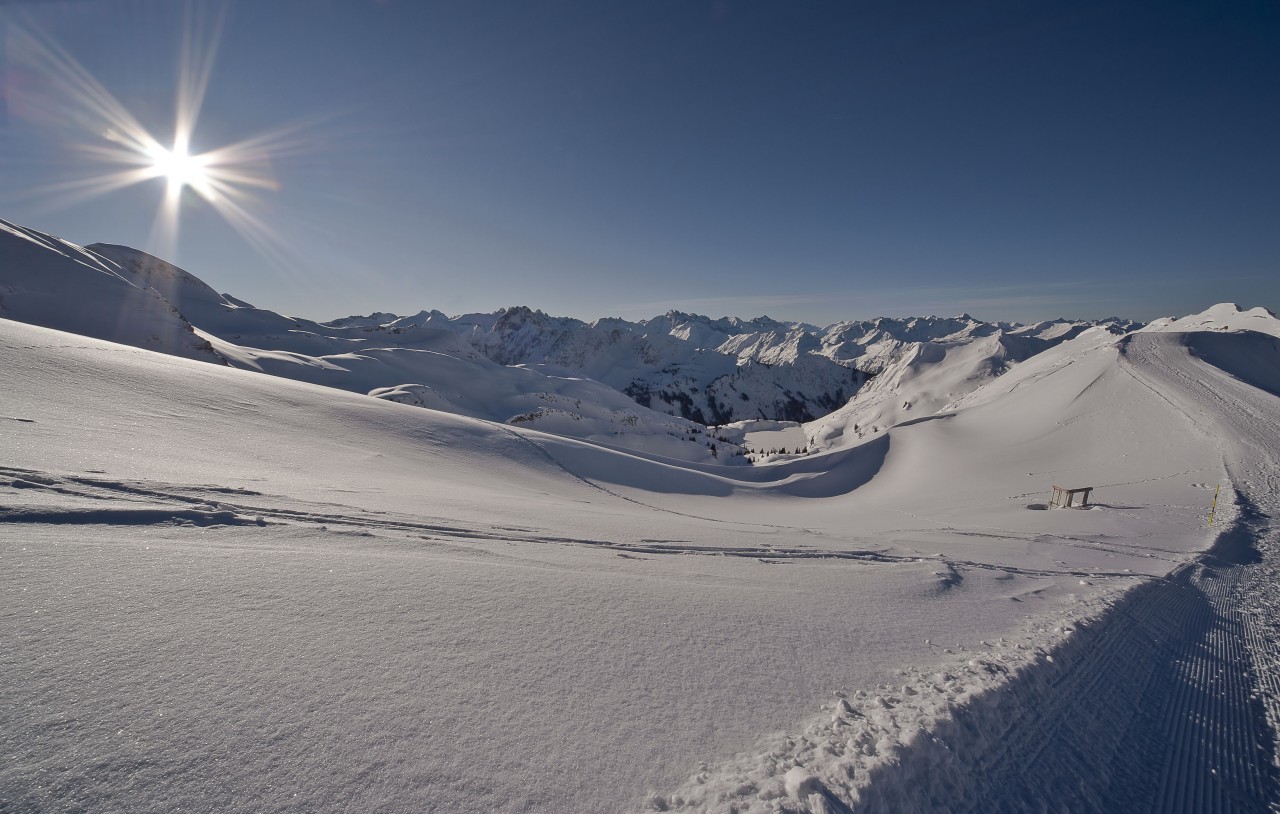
<point>202,509</point>
<point>1161,698</point>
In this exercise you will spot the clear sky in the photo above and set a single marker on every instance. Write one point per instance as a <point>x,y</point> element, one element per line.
<point>814,161</point>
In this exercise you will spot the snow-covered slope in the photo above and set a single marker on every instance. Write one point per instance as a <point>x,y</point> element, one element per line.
<point>1225,319</point>
<point>237,591</point>
<point>1099,411</point>
<point>440,371</point>
<point>48,281</point>
<point>940,376</point>
<point>920,378</point>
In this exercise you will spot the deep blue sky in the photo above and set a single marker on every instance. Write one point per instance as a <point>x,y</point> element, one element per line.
<point>816,161</point>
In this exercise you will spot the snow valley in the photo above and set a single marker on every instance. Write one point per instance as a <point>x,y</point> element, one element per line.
<point>513,562</point>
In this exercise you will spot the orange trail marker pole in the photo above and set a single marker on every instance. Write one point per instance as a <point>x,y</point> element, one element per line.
<point>1215,504</point>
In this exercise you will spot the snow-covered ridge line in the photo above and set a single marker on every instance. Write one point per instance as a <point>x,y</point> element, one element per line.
<point>47,281</point>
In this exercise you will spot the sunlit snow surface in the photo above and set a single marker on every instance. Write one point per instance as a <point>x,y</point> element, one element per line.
<point>235,592</point>
<point>228,591</point>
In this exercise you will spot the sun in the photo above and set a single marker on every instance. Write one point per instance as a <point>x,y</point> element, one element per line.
<point>227,178</point>
<point>180,168</point>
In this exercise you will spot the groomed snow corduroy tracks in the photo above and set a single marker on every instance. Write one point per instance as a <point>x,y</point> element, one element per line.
<point>1150,709</point>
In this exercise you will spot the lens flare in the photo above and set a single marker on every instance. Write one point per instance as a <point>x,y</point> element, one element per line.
<point>70,98</point>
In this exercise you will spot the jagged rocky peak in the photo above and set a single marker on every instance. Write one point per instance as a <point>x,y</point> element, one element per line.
<point>613,324</point>
<point>524,321</point>
<point>519,313</point>
<point>422,318</point>
<point>376,319</point>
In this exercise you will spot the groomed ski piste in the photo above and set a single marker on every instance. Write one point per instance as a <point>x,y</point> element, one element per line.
<point>227,591</point>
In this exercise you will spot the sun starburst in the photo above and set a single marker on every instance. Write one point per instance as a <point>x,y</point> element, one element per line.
<point>226,178</point>
<point>181,169</point>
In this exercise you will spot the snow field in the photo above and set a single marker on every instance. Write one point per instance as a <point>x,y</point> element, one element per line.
<point>225,587</point>
<point>233,591</point>
<point>159,667</point>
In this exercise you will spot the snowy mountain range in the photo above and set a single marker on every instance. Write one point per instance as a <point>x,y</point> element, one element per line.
<point>655,384</point>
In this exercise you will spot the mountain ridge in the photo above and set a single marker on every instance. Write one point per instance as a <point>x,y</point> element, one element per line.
<point>655,383</point>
